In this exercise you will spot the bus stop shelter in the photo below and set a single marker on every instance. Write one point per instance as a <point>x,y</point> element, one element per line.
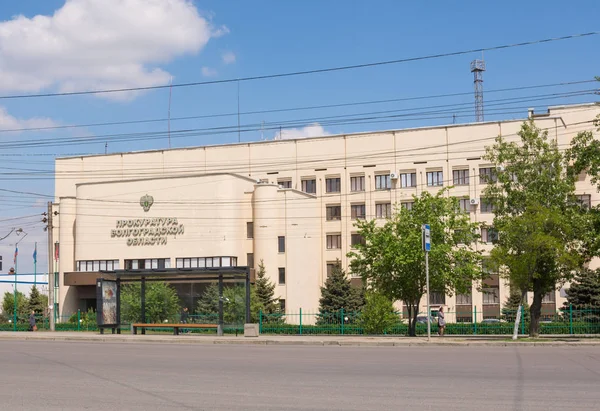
<point>109,283</point>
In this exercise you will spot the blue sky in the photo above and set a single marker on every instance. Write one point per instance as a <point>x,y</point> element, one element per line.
<point>265,37</point>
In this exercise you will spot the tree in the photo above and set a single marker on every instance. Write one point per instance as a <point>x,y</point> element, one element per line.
<point>543,233</point>
<point>338,293</point>
<point>392,261</point>
<point>162,302</point>
<point>377,316</point>
<point>511,306</point>
<point>265,291</point>
<point>584,290</point>
<point>8,306</point>
<point>234,305</point>
<point>37,302</point>
<point>208,304</point>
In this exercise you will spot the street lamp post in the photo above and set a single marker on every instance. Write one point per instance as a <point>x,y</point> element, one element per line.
<point>19,232</point>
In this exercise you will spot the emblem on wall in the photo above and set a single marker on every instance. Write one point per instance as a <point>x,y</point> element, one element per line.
<point>146,202</point>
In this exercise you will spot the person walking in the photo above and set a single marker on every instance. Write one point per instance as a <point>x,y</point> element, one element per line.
<point>184,318</point>
<point>441,322</point>
<point>32,326</point>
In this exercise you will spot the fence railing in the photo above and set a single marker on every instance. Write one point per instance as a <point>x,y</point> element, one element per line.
<point>565,321</point>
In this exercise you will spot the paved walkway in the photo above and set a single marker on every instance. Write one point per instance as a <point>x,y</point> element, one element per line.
<point>557,340</point>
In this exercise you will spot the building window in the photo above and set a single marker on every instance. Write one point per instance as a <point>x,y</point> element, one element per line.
<point>488,267</point>
<point>487,175</point>
<point>148,264</point>
<point>437,298</point>
<point>435,178</point>
<point>489,235</point>
<point>356,239</point>
<point>281,244</point>
<point>97,265</point>
<point>333,185</point>
<point>408,180</point>
<point>281,276</point>
<point>282,305</point>
<point>460,177</point>
<point>357,211</point>
<point>330,267</point>
<point>491,295</point>
<point>250,230</point>
<point>383,210</point>
<point>486,206</point>
<point>464,299</point>
<point>357,183</point>
<point>464,205</point>
<point>211,262</point>
<point>250,260</point>
<point>383,182</point>
<point>334,241</point>
<point>407,205</point>
<point>309,186</point>
<point>285,183</point>
<point>333,212</point>
<point>549,298</point>
<point>585,200</point>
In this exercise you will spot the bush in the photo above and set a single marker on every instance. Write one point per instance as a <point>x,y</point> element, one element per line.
<point>377,316</point>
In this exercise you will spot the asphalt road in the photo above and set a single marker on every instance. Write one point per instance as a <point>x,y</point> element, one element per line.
<point>130,376</point>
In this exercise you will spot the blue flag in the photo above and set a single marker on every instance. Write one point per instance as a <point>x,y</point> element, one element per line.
<point>16,254</point>
<point>35,254</point>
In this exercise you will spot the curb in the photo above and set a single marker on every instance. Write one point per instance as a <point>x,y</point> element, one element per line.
<point>293,342</point>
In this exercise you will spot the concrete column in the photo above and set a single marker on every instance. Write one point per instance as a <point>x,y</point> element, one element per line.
<point>67,238</point>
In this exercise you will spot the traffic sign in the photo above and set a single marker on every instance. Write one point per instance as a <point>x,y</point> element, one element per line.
<point>426,237</point>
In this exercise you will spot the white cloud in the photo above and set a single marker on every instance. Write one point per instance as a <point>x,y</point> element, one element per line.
<point>312,130</point>
<point>209,72</point>
<point>229,57</point>
<point>94,44</point>
<point>8,122</point>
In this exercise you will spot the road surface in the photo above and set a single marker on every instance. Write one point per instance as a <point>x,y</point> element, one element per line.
<point>132,376</point>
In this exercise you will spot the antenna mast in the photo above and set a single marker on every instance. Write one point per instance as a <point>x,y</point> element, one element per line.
<point>477,68</point>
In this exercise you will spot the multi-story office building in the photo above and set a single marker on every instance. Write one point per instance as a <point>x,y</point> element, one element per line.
<point>292,204</point>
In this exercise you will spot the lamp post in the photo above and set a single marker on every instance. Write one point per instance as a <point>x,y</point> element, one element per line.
<point>19,232</point>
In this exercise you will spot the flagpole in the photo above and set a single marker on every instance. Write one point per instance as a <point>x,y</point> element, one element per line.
<point>15,306</point>
<point>35,265</point>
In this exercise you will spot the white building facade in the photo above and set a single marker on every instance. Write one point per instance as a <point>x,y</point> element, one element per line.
<point>292,204</point>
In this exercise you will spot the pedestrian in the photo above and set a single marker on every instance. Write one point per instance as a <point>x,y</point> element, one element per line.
<point>184,318</point>
<point>441,322</point>
<point>32,326</point>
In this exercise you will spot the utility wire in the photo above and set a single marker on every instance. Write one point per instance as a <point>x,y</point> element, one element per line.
<point>306,72</point>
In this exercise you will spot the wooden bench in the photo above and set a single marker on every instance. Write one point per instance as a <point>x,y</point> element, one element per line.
<point>175,327</point>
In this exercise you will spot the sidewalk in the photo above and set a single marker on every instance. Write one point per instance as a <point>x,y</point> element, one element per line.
<point>355,341</point>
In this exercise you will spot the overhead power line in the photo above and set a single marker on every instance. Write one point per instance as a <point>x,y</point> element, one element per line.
<point>288,109</point>
<point>307,72</point>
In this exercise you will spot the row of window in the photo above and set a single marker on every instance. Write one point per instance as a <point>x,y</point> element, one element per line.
<point>156,263</point>
<point>206,262</point>
<point>490,297</point>
<point>384,181</point>
<point>334,241</point>
<point>97,265</point>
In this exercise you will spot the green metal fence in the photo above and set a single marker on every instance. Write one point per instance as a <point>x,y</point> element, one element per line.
<point>570,320</point>
<point>567,321</point>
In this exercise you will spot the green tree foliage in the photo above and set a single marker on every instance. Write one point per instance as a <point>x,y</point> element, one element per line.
<point>377,316</point>
<point>37,302</point>
<point>511,306</point>
<point>162,302</point>
<point>234,305</point>
<point>338,293</point>
<point>8,304</point>
<point>584,291</point>
<point>392,261</point>
<point>544,235</point>
<point>208,304</point>
<point>265,291</point>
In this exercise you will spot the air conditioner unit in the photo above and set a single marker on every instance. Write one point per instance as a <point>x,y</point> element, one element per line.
<point>474,201</point>
<point>394,176</point>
